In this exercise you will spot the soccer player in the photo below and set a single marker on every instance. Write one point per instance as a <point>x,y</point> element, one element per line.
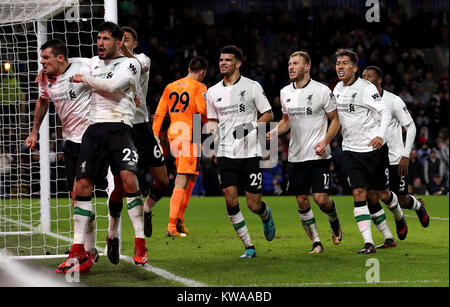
<point>398,156</point>
<point>307,105</point>
<point>233,105</point>
<point>114,80</point>
<point>71,102</point>
<point>182,99</point>
<point>365,154</point>
<point>150,155</point>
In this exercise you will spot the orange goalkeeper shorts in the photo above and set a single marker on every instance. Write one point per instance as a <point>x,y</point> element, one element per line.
<point>187,156</point>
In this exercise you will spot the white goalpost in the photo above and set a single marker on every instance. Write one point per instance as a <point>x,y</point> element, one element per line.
<point>35,206</point>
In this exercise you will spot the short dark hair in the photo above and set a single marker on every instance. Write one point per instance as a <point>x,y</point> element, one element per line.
<point>58,47</point>
<point>112,28</point>
<point>130,30</point>
<point>198,63</point>
<point>347,52</point>
<point>377,70</point>
<point>232,49</point>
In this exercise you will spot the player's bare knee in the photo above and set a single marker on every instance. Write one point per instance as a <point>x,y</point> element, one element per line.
<point>384,195</point>
<point>303,202</point>
<point>323,201</point>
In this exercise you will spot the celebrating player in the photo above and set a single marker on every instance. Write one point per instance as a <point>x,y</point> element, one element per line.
<point>150,155</point>
<point>108,140</point>
<point>71,102</point>
<point>307,105</point>
<point>365,157</point>
<point>398,155</point>
<point>182,99</point>
<point>233,104</point>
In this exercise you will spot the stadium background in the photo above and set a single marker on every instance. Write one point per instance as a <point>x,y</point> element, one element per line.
<point>410,44</point>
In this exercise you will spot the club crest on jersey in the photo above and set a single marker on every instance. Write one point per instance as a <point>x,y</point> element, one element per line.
<point>242,94</point>
<point>309,102</point>
<point>354,95</point>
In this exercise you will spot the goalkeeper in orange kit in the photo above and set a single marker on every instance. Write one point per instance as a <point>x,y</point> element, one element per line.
<point>183,99</point>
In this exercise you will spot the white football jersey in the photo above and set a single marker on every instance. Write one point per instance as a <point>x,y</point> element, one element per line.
<point>394,134</point>
<point>232,106</point>
<point>118,106</point>
<point>307,108</point>
<point>71,100</point>
<point>357,105</point>
<point>141,115</point>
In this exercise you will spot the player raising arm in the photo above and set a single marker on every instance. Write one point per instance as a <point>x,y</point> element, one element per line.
<point>108,140</point>
<point>150,155</point>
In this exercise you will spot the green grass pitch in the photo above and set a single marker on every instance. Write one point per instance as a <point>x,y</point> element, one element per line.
<point>210,254</point>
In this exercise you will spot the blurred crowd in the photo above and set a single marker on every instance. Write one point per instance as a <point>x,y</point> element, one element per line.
<point>410,45</point>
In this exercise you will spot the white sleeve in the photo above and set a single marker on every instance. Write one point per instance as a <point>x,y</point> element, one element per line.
<point>329,101</point>
<point>261,102</point>
<point>126,74</point>
<point>410,136</point>
<point>144,61</point>
<point>372,100</point>
<point>210,110</point>
<point>283,106</point>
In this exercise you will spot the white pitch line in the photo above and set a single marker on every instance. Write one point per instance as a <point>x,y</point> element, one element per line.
<point>163,273</point>
<point>432,217</point>
<point>348,283</point>
<point>166,274</point>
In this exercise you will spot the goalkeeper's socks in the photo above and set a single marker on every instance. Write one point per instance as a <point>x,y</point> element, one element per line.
<point>332,213</point>
<point>379,219</point>
<point>186,198</point>
<point>394,207</point>
<point>362,217</point>
<point>309,224</point>
<point>175,207</point>
<point>414,203</point>
<point>237,219</point>
<point>135,205</point>
<point>81,215</point>
<point>264,213</point>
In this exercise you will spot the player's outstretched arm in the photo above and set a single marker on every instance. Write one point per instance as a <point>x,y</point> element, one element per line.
<point>39,113</point>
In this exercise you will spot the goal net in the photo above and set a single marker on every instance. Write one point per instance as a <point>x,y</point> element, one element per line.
<point>35,206</point>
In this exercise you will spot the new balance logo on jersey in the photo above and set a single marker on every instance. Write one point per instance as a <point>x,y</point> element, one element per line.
<point>375,96</point>
<point>72,94</point>
<point>219,99</point>
<point>242,107</point>
<point>83,167</point>
<point>109,75</point>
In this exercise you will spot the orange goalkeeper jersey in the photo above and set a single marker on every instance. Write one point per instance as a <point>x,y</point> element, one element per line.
<point>181,99</point>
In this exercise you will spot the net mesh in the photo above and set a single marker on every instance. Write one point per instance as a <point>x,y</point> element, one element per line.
<point>74,23</point>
